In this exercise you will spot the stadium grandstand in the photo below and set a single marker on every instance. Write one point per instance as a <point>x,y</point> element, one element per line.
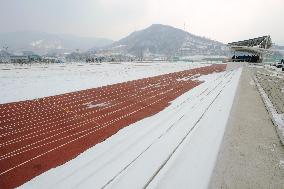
<point>253,49</point>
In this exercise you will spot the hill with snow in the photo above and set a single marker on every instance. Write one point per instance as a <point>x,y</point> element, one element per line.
<point>43,43</point>
<point>167,40</point>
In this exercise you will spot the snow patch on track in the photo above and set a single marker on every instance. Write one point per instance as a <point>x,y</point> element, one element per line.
<point>100,105</point>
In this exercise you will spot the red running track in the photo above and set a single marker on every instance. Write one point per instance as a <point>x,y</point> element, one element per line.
<point>37,135</point>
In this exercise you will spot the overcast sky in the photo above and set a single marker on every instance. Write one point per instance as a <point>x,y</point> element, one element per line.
<point>222,20</point>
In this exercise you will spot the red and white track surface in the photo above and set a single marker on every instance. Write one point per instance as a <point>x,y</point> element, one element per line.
<point>37,135</point>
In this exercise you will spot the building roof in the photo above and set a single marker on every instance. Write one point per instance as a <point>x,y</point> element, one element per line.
<point>255,45</point>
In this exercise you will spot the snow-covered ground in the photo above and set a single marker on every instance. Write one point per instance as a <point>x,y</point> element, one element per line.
<point>277,119</point>
<point>274,74</point>
<point>176,148</point>
<point>23,82</point>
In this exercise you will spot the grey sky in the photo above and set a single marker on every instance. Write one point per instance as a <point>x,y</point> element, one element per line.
<point>222,20</point>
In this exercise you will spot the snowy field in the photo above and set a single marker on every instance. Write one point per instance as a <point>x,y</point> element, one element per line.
<point>176,148</point>
<point>23,82</point>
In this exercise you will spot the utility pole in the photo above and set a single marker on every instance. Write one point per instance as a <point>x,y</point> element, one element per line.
<point>185,27</point>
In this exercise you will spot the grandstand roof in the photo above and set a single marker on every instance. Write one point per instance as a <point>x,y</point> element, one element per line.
<point>255,45</point>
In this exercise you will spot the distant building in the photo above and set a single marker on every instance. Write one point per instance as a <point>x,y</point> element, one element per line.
<point>19,59</point>
<point>76,57</point>
<point>34,58</point>
<point>50,60</point>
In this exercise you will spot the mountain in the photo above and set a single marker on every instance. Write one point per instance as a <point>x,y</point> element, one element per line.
<point>168,41</point>
<point>276,51</point>
<point>43,43</point>
<point>277,47</point>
